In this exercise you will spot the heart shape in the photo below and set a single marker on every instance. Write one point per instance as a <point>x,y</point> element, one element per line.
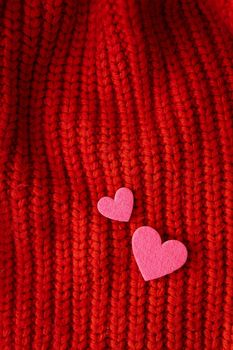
<point>120,208</point>
<point>154,258</point>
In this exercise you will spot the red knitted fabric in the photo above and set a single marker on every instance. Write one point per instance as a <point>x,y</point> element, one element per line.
<point>97,95</point>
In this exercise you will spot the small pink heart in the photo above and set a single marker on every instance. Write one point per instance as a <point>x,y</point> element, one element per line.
<point>155,259</point>
<point>119,208</point>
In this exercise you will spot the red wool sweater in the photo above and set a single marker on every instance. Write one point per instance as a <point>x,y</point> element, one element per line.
<point>101,94</point>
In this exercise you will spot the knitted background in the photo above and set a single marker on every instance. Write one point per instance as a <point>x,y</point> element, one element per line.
<point>96,95</point>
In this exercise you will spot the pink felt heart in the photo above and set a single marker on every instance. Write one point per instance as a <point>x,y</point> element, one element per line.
<point>155,259</point>
<point>119,208</point>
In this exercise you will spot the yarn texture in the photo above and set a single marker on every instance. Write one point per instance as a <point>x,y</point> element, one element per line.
<point>94,96</point>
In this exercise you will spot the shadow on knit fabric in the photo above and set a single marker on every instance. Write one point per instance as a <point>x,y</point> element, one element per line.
<point>101,94</point>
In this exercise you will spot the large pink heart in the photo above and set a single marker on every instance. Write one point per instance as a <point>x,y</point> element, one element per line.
<point>119,208</point>
<point>155,259</point>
